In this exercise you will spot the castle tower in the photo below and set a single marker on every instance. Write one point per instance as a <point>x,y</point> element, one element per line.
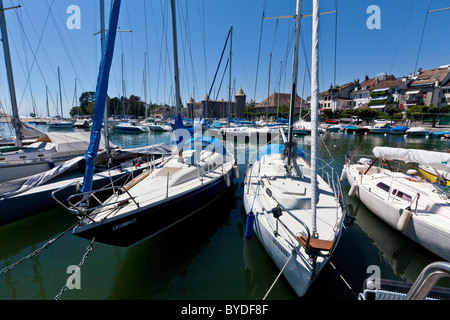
<point>240,99</point>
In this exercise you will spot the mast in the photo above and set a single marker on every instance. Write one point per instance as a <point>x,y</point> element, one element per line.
<point>294,80</point>
<point>46,101</point>
<point>229,81</point>
<point>101,96</point>
<point>60,95</point>
<point>9,72</point>
<point>105,118</point>
<point>175,56</point>
<point>314,110</point>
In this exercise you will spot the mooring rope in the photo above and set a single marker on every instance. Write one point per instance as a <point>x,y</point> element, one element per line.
<point>276,279</point>
<point>343,279</point>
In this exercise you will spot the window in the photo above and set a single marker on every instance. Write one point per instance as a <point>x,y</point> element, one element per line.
<point>402,195</point>
<point>383,186</point>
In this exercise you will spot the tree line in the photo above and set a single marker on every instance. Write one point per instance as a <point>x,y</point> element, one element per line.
<point>123,106</point>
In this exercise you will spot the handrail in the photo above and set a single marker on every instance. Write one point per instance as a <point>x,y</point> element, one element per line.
<point>427,279</point>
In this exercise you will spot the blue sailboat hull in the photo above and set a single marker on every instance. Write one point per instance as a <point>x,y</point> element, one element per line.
<point>148,221</point>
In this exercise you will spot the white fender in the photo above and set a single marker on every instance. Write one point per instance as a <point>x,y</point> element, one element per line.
<point>352,190</point>
<point>404,219</point>
<point>226,178</point>
<point>236,171</point>
<point>343,175</point>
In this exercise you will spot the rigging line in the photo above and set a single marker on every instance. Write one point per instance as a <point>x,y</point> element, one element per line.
<point>147,55</point>
<point>335,41</point>
<point>202,30</point>
<point>401,38</point>
<point>421,37</point>
<point>189,42</point>
<point>81,62</point>
<point>66,49</point>
<point>217,69</point>
<point>259,49</point>
<point>278,276</point>
<point>34,53</point>
<point>132,47</point>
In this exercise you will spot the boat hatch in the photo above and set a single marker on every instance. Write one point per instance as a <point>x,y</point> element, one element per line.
<point>167,171</point>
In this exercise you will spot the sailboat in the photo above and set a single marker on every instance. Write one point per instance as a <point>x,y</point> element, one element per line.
<point>294,212</point>
<point>158,198</point>
<point>414,206</point>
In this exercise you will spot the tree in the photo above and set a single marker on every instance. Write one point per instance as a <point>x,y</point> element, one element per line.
<point>391,111</point>
<point>85,99</point>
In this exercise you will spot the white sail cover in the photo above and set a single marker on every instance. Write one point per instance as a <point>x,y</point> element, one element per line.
<point>434,159</point>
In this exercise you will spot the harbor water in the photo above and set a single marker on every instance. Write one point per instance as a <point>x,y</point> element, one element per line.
<point>207,257</point>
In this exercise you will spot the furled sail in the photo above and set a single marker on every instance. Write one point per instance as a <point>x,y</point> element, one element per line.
<point>100,95</point>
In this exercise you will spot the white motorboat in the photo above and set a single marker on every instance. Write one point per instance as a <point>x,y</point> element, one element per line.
<point>60,124</point>
<point>159,126</point>
<point>405,201</point>
<point>128,127</point>
<point>380,128</point>
<point>418,131</point>
<point>296,215</point>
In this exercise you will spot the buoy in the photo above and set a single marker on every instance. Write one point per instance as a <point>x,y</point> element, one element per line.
<point>236,171</point>
<point>249,225</point>
<point>51,164</point>
<point>352,190</point>
<point>343,175</point>
<point>226,178</point>
<point>404,219</point>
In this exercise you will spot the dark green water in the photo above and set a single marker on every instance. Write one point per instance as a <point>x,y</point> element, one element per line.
<point>207,257</point>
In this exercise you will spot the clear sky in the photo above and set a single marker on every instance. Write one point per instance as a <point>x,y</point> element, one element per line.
<point>41,41</point>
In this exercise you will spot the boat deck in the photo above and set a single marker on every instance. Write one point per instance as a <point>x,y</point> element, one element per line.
<point>172,178</point>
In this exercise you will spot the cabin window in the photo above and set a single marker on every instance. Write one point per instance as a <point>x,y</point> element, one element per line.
<point>402,195</point>
<point>383,186</point>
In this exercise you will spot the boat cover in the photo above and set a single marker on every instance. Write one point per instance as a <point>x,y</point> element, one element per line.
<point>73,141</point>
<point>160,149</point>
<point>434,159</point>
<point>15,187</point>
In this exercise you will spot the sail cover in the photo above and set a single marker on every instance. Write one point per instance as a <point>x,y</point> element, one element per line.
<point>100,95</point>
<point>434,159</point>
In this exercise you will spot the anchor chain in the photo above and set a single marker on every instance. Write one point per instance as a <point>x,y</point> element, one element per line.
<point>32,254</point>
<point>83,259</point>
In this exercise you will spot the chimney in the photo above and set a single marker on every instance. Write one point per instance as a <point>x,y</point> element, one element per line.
<point>366,78</point>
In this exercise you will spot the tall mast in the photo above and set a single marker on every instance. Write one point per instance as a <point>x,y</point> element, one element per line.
<point>294,79</point>
<point>46,101</point>
<point>229,81</point>
<point>175,57</point>
<point>314,110</point>
<point>60,95</point>
<point>9,72</point>
<point>105,118</point>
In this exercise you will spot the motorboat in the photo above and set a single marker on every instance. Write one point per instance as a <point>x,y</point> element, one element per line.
<point>128,127</point>
<point>414,206</point>
<point>380,128</point>
<point>398,130</point>
<point>418,131</point>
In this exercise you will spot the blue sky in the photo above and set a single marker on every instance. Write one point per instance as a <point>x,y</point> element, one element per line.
<point>41,42</point>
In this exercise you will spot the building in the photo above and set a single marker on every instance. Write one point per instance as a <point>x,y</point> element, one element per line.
<point>217,108</point>
<point>425,88</point>
<point>386,93</point>
<point>361,93</point>
<point>337,97</point>
<point>271,104</point>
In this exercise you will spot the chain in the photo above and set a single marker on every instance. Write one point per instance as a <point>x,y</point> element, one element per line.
<point>45,246</point>
<point>83,259</point>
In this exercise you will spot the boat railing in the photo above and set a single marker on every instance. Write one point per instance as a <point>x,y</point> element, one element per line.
<point>427,279</point>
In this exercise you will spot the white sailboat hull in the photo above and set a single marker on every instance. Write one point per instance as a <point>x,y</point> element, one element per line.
<point>430,227</point>
<point>294,194</point>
